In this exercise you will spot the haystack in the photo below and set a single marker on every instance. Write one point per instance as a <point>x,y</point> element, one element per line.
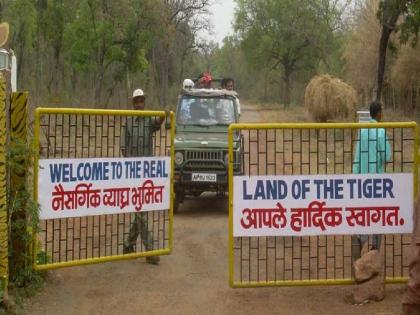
<point>4,33</point>
<point>328,98</point>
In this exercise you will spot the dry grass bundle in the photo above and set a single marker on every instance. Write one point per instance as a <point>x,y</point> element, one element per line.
<point>329,98</point>
<point>4,33</point>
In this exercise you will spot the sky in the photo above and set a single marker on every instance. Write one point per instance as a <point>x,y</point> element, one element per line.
<point>222,17</point>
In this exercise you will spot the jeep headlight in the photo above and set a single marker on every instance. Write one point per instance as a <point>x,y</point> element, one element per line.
<point>179,158</point>
<point>226,159</point>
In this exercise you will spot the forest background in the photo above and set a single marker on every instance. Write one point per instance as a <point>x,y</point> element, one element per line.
<point>93,53</point>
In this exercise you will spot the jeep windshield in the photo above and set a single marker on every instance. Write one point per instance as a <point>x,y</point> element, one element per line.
<point>198,111</point>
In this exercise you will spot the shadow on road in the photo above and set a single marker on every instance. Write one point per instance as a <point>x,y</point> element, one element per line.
<point>208,204</point>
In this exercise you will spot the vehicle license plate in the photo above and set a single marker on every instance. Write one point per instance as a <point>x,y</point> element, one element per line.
<point>203,177</point>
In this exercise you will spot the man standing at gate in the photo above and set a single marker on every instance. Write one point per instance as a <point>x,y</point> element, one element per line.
<point>371,154</point>
<point>136,141</point>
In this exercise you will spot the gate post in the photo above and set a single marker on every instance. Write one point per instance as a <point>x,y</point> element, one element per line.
<point>18,173</point>
<point>3,192</point>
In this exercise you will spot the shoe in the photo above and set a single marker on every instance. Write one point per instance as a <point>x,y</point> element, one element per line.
<point>153,260</point>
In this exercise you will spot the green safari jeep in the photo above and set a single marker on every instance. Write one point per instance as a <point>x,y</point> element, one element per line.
<point>201,142</point>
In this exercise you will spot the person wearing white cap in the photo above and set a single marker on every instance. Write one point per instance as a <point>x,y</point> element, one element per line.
<point>139,99</point>
<point>138,92</point>
<point>137,140</point>
<point>187,84</point>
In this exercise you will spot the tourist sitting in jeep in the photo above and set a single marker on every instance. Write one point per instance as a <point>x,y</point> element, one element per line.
<point>201,142</point>
<point>204,81</point>
<point>207,112</point>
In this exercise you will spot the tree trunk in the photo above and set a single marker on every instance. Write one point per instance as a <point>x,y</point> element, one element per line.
<point>160,57</point>
<point>164,81</point>
<point>391,11</point>
<point>182,63</point>
<point>98,90</point>
<point>56,73</point>
<point>383,44</point>
<point>287,87</point>
<point>265,88</point>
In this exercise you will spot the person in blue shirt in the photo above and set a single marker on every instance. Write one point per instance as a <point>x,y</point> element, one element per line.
<point>371,154</point>
<point>372,148</point>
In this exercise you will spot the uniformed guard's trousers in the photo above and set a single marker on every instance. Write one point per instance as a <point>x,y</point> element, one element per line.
<point>140,226</point>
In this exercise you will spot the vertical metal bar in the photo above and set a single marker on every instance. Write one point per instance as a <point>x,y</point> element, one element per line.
<point>416,157</point>
<point>172,150</point>
<point>275,173</point>
<point>35,192</point>
<point>156,238</point>
<point>37,122</point>
<point>250,238</point>
<point>284,152</point>
<point>334,168</point>
<point>300,173</point>
<point>67,219</point>
<point>249,153</point>
<point>62,222</point>
<point>119,215</point>
<point>283,238</point>
<point>230,183</point>
<point>258,173</point>
<point>266,173</point>
<point>74,220</point>
<point>310,172</point>
<point>111,217</point>
<point>317,172</point>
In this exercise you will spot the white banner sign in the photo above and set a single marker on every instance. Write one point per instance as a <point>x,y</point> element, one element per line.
<point>97,186</point>
<point>322,204</point>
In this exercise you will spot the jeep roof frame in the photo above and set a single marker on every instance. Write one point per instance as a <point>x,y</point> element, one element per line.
<point>208,92</point>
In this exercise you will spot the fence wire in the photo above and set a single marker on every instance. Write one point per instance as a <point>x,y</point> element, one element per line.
<point>71,135</point>
<point>298,150</point>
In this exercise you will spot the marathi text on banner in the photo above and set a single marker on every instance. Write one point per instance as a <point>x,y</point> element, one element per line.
<point>102,186</point>
<point>321,205</point>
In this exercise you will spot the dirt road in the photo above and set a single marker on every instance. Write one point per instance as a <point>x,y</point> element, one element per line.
<point>192,280</point>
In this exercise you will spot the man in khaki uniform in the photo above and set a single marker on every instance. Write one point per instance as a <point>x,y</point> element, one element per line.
<point>137,140</point>
<point>411,299</point>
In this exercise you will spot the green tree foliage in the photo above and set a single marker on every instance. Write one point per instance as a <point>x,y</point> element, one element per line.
<point>23,23</point>
<point>256,83</point>
<point>287,35</point>
<point>411,26</point>
<point>389,13</point>
<point>95,52</point>
<point>401,84</point>
<point>52,18</point>
<point>108,36</point>
<point>180,22</point>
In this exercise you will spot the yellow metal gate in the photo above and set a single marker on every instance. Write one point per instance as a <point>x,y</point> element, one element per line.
<point>305,149</point>
<point>87,133</point>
